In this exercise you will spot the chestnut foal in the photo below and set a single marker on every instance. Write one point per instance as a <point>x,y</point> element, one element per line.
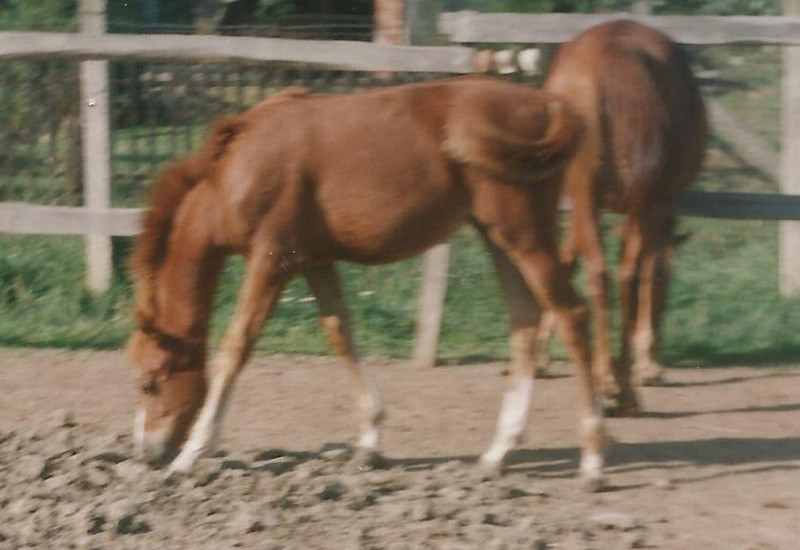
<point>300,181</point>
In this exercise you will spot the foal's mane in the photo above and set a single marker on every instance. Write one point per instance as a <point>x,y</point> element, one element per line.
<point>171,188</point>
<point>169,191</point>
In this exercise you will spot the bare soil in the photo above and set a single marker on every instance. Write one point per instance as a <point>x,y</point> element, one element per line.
<point>713,465</point>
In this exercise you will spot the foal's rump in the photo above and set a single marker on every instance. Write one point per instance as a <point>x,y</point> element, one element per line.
<point>510,132</point>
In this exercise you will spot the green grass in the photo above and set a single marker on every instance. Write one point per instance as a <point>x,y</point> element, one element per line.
<point>723,305</point>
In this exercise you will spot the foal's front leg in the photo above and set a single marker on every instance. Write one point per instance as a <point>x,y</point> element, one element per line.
<point>335,320</point>
<point>260,290</point>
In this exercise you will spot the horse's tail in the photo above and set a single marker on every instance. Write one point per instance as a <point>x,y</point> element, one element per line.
<point>520,146</point>
<point>171,188</point>
<point>653,129</point>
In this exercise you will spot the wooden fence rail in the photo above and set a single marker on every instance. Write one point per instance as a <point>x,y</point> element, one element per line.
<point>239,50</point>
<point>518,28</point>
<point>22,218</point>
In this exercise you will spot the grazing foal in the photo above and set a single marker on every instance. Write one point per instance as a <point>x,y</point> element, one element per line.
<point>301,181</point>
<point>643,144</point>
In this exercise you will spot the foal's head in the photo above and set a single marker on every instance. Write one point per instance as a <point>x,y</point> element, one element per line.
<point>171,389</point>
<point>171,385</point>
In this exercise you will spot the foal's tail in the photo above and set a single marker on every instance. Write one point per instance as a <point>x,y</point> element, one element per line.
<point>522,144</point>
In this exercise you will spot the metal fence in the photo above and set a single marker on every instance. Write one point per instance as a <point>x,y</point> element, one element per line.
<point>158,112</point>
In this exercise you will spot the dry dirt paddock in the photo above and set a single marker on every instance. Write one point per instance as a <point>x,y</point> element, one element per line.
<point>713,465</point>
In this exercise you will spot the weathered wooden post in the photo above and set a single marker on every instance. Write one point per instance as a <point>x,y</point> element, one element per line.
<point>789,233</point>
<point>431,305</point>
<point>390,28</point>
<point>390,19</point>
<point>96,147</point>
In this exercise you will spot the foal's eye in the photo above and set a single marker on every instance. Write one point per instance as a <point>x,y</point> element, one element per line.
<point>150,388</point>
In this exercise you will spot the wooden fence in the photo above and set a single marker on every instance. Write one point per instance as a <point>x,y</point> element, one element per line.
<point>92,47</point>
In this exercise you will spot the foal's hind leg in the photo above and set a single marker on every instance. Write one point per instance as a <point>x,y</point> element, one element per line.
<point>262,285</point>
<point>543,273</point>
<point>525,227</point>
<point>523,312</point>
<point>335,319</point>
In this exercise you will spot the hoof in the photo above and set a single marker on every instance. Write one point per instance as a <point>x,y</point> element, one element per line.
<point>622,410</point>
<point>649,373</point>
<point>366,460</point>
<point>490,470</point>
<point>182,465</point>
<point>621,405</point>
<point>593,484</point>
<point>653,379</point>
<point>543,373</point>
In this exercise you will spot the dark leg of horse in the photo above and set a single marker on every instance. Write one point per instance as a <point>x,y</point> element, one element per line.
<point>523,312</point>
<point>547,322</point>
<point>585,225</point>
<point>335,320</point>
<point>629,272</point>
<point>263,282</point>
<point>653,282</point>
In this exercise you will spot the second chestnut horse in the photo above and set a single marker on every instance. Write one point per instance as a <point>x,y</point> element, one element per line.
<point>644,142</point>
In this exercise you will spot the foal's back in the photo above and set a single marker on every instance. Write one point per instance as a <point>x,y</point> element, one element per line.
<point>379,175</point>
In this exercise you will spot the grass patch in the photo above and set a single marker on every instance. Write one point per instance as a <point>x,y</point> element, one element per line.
<point>723,305</point>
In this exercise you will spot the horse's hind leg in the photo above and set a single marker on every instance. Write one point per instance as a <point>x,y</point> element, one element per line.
<point>263,282</point>
<point>547,320</point>
<point>650,287</point>
<point>523,312</point>
<point>335,319</point>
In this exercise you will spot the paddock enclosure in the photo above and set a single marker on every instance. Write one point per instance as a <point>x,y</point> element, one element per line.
<point>161,96</point>
<point>713,463</point>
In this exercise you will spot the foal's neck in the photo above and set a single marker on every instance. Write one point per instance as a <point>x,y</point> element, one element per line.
<point>187,280</point>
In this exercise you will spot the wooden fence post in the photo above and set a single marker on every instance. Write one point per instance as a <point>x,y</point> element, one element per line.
<point>789,244</point>
<point>431,305</point>
<point>96,147</point>
<point>391,28</point>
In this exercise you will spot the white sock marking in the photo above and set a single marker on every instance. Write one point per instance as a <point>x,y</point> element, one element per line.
<point>512,421</point>
<point>138,430</point>
<point>205,430</point>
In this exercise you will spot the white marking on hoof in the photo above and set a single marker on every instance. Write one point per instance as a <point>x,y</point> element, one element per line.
<point>138,431</point>
<point>593,484</point>
<point>492,461</point>
<point>592,471</point>
<point>369,440</point>
<point>185,461</point>
<point>510,424</point>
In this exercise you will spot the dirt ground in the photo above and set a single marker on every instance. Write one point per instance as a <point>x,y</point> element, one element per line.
<point>713,465</point>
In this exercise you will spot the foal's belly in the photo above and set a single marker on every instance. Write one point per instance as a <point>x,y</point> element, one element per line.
<point>390,195</point>
<point>393,222</point>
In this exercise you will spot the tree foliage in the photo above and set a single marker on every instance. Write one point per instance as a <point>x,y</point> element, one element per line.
<point>52,15</point>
